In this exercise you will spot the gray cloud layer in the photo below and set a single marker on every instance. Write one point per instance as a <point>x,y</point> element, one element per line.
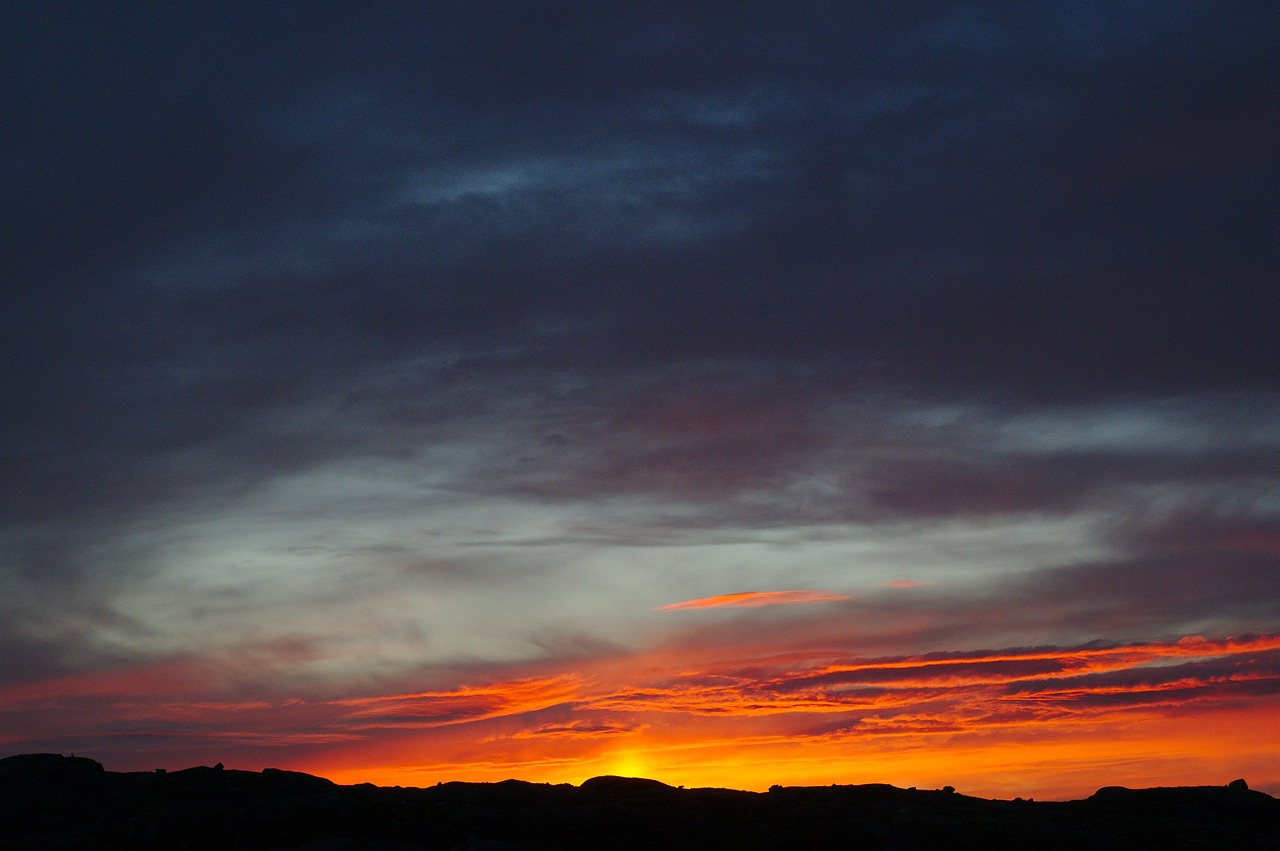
<point>772,266</point>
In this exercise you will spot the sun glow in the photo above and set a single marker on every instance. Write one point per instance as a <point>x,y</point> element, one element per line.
<point>1041,722</point>
<point>628,763</point>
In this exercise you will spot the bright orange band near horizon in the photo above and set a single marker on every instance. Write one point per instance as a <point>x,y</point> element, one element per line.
<point>1048,722</point>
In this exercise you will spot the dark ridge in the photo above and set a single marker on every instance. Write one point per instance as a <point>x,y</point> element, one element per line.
<point>51,802</point>
<point>51,765</point>
<point>609,784</point>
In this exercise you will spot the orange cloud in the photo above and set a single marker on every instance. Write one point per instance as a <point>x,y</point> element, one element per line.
<point>724,714</point>
<point>1001,722</point>
<point>754,599</point>
<point>902,583</point>
<point>581,730</point>
<point>464,703</point>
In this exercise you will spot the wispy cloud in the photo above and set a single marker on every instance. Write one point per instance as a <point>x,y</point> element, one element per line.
<point>712,698</point>
<point>756,599</point>
<point>464,703</point>
<point>593,729</point>
<point>342,418</point>
<point>741,713</point>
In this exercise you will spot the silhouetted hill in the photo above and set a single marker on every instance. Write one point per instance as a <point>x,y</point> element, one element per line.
<point>48,801</point>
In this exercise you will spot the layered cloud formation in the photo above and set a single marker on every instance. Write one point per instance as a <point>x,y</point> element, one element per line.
<point>453,392</point>
<point>787,714</point>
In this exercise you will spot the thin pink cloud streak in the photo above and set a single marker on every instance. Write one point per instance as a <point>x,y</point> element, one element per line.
<point>755,599</point>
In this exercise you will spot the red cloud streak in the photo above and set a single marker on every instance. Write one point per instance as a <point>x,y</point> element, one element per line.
<point>755,599</point>
<point>1043,720</point>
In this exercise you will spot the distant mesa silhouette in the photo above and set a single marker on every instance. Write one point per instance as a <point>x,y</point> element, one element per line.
<point>50,801</point>
<point>610,784</point>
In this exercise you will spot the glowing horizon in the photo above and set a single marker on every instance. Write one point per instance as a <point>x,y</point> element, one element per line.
<point>995,723</point>
<point>816,395</point>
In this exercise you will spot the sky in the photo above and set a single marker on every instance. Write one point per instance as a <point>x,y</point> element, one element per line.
<point>733,394</point>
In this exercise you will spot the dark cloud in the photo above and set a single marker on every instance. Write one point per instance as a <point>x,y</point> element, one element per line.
<point>1119,600</point>
<point>1245,674</point>
<point>720,270</point>
<point>1019,229</point>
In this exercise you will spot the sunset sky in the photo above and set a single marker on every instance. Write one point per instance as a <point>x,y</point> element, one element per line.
<point>731,394</point>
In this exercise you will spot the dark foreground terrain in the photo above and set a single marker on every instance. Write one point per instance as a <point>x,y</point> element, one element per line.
<point>48,801</point>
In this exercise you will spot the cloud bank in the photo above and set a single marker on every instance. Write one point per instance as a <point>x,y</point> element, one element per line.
<point>397,372</point>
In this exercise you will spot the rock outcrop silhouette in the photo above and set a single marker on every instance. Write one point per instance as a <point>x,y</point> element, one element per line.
<point>48,802</point>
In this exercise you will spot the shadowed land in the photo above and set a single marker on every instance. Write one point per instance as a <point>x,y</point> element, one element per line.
<point>48,801</point>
